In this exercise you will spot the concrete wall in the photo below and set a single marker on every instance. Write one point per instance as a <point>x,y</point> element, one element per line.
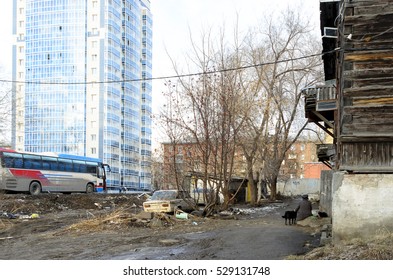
<point>362,205</point>
<point>295,187</point>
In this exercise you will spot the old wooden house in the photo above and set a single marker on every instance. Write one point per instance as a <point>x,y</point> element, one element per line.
<point>364,127</point>
<point>356,104</point>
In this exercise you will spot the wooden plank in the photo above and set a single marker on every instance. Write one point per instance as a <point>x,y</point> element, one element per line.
<point>369,77</point>
<point>370,119</point>
<point>374,90</point>
<point>369,56</point>
<point>384,109</point>
<point>369,32</point>
<point>372,82</point>
<point>379,8</point>
<point>367,3</point>
<point>368,73</point>
<point>372,101</point>
<point>369,137</point>
<point>371,65</point>
<point>374,19</point>
<point>368,129</point>
<point>364,38</point>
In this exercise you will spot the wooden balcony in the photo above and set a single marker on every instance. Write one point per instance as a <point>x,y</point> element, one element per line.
<point>320,105</point>
<point>326,153</point>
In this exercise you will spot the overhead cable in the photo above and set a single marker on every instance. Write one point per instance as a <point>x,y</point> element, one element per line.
<point>172,76</point>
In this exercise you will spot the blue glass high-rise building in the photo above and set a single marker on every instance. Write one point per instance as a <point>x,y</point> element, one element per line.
<point>83,69</point>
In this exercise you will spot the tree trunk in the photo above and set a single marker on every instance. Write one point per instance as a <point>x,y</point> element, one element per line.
<point>273,188</point>
<point>253,189</point>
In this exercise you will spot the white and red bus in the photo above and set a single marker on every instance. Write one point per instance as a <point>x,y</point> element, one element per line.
<point>35,173</point>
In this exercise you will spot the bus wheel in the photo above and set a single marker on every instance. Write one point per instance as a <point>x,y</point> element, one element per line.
<point>89,188</point>
<point>35,188</point>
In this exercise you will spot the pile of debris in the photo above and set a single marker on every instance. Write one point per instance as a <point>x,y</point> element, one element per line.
<point>124,218</point>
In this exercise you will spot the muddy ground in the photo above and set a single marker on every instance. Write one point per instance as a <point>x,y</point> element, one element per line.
<point>98,226</point>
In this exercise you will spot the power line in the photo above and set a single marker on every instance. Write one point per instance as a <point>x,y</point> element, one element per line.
<point>173,76</point>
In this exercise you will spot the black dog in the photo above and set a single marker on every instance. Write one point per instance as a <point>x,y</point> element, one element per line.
<point>290,216</point>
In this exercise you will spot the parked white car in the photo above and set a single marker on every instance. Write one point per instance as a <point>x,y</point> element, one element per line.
<point>168,201</point>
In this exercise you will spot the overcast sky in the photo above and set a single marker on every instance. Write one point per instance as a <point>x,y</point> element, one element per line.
<point>174,20</point>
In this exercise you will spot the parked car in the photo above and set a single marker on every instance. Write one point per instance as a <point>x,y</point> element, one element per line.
<point>168,201</point>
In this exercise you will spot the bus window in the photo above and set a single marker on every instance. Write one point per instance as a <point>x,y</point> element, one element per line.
<point>12,160</point>
<point>91,167</point>
<point>32,161</point>
<point>65,164</point>
<point>49,163</point>
<point>79,166</point>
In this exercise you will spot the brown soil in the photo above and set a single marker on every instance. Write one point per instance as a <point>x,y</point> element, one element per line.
<point>103,226</point>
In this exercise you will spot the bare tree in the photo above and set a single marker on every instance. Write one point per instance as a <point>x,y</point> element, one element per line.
<point>5,112</point>
<point>206,108</point>
<point>286,40</point>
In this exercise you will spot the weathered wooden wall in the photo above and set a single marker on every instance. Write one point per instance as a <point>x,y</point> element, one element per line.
<point>365,127</point>
<point>326,185</point>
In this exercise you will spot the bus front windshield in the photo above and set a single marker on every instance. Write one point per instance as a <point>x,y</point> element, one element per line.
<point>100,172</point>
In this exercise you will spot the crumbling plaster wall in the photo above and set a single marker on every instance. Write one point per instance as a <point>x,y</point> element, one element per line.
<point>297,187</point>
<point>362,205</point>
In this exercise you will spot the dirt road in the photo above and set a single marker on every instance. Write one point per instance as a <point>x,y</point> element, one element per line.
<point>97,226</point>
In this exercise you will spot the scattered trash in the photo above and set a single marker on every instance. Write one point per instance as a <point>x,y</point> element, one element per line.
<point>181,215</point>
<point>144,196</point>
<point>24,217</point>
<point>19,216</point>
<point>9,215</point>
<point>99,206</point>
<point>194,223</point>
<point>232,211</point>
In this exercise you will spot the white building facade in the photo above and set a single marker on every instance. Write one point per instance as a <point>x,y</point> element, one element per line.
<point>83,70</point>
